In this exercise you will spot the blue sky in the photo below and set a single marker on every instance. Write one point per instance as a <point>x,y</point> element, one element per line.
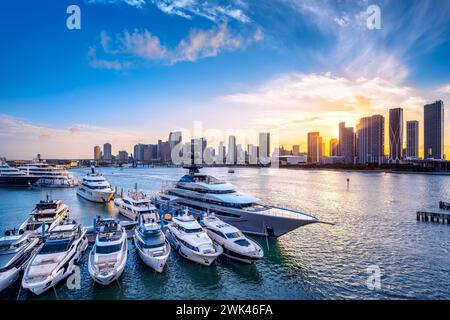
<point>140,68</point>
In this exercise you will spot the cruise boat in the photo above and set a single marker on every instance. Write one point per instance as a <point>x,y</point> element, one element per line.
<point>109,254</point>
<point>204,193</point>
<point>95,188</point>
<point>135,203</point>
<point>56,258</point>
<point>235,245</point>
<point>15,252</point>
<point>151,242</point>
<point>191,241</point>
<point>14,177</point>
<point>48,213</point>
<point>49,175</point>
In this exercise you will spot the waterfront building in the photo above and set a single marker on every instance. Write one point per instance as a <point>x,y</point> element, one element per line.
<point>341,137</point>
<point>412,139</point>
<point>240,154</point>
<point>264,147</point>
<point>164,151</point>
<point>107,152</point>
<point>198,147</point>
<point>346,143</point>
<point>434,130</point>
<point>231,155</point>
<point>314,147</point>
<point>252,154</point>
<point>334,146</point>
<point>370,137</point>
<point>395,134</point>
<point>97,153</point>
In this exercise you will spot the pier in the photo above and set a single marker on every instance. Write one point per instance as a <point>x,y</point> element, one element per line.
<point>437,217</point>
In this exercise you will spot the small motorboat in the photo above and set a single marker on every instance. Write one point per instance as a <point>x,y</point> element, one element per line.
<point>235,244</point>
<point>56,258</point>
<point>151,242</point>
<point>191,241</point>
<point>109,254</point>
<point>15,252</point>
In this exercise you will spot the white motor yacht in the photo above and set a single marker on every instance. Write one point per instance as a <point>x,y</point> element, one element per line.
<point>109,254</point>
<point>49,175</point>
<point>15,252</point>
<point>235,244</point>
<point>47,213</point>
<point>10,176</point>
<point>56,257</point>
<point>135,203</point>
<point>95,188</point>
<point>191,241</point>
<point>151,242</point>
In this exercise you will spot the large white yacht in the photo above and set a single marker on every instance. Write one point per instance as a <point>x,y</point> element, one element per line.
<point>15,252</point>
<point>134,203</point>
<point>56,258</point>
<point>49,175</point>
<point>151,242</point>
<point>95,188</point>
<point>47,213</point>
<point>10,176</point>
<point>109,254</point>
<point>203,193</point>
<point>191,241</point>
<point>235,245</point>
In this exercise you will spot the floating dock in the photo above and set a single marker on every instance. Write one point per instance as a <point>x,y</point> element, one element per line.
<point>437,217</point>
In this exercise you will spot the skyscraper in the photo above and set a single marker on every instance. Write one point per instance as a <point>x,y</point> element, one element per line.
<point>221,154</point>
<point>412,139</point>
<point>370,137</point>
<point>341,137</point>
<point>264,147</point>
<point>231,155</point>
<point>334,145</point>
<point>434,130</point>
<point>107,152</point>
<point>314,147</point>
<point>295,150</point>
<point>97,153</point>
<point>348,145</point>
<point>395,133</point>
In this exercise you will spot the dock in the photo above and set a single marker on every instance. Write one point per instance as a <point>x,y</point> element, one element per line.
<point>437,217</point>
<point>444,205</point>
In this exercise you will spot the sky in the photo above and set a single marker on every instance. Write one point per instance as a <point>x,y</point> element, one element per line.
<point>138,69</point>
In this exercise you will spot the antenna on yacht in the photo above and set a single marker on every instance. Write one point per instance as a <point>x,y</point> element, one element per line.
<point>135,187</point>
<point>186,211</point>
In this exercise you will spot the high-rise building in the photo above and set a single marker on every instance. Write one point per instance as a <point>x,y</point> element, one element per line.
<point>107,152</point>
<point>221,154</point>
<point>174,139</point>
<point>341,135</point>
<point>412,139</point>
<point>198,147</point>
<point>164,151</point>
<point>264,147</point>
<point>370,137</point>
<point>334,145</point>
<point>295,150</point>
<point>348,145</point>
<point>97,153</point>
<point>434,130</point>
<point>122,156</point>
<point>314,147</point>
<point>231,155</point>
<point>395,133</point>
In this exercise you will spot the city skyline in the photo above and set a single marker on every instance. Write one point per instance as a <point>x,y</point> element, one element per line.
<point>318,67</point>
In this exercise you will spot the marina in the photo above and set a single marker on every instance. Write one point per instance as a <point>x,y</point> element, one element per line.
<point>305,263</point>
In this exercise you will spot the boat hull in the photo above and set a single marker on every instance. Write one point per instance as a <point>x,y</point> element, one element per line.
<point>156,263</point>
<point>185,252</point>
<point>106,278</point>
<point>8,277</point>
<point>17,181</point>
<point>97,197</point>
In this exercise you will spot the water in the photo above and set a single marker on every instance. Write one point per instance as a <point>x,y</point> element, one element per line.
<point>375,226</point>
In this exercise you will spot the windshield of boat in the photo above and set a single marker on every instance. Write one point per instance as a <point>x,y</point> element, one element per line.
<point>108,249</point>
<point>193,230</point>
<point>46,206</point>
<point>242,242</point>
<point>55,246</point>
<point>233,235</point>
<point>203,178</point>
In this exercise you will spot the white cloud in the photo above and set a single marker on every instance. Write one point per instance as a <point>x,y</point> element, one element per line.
<point>126,46</point>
